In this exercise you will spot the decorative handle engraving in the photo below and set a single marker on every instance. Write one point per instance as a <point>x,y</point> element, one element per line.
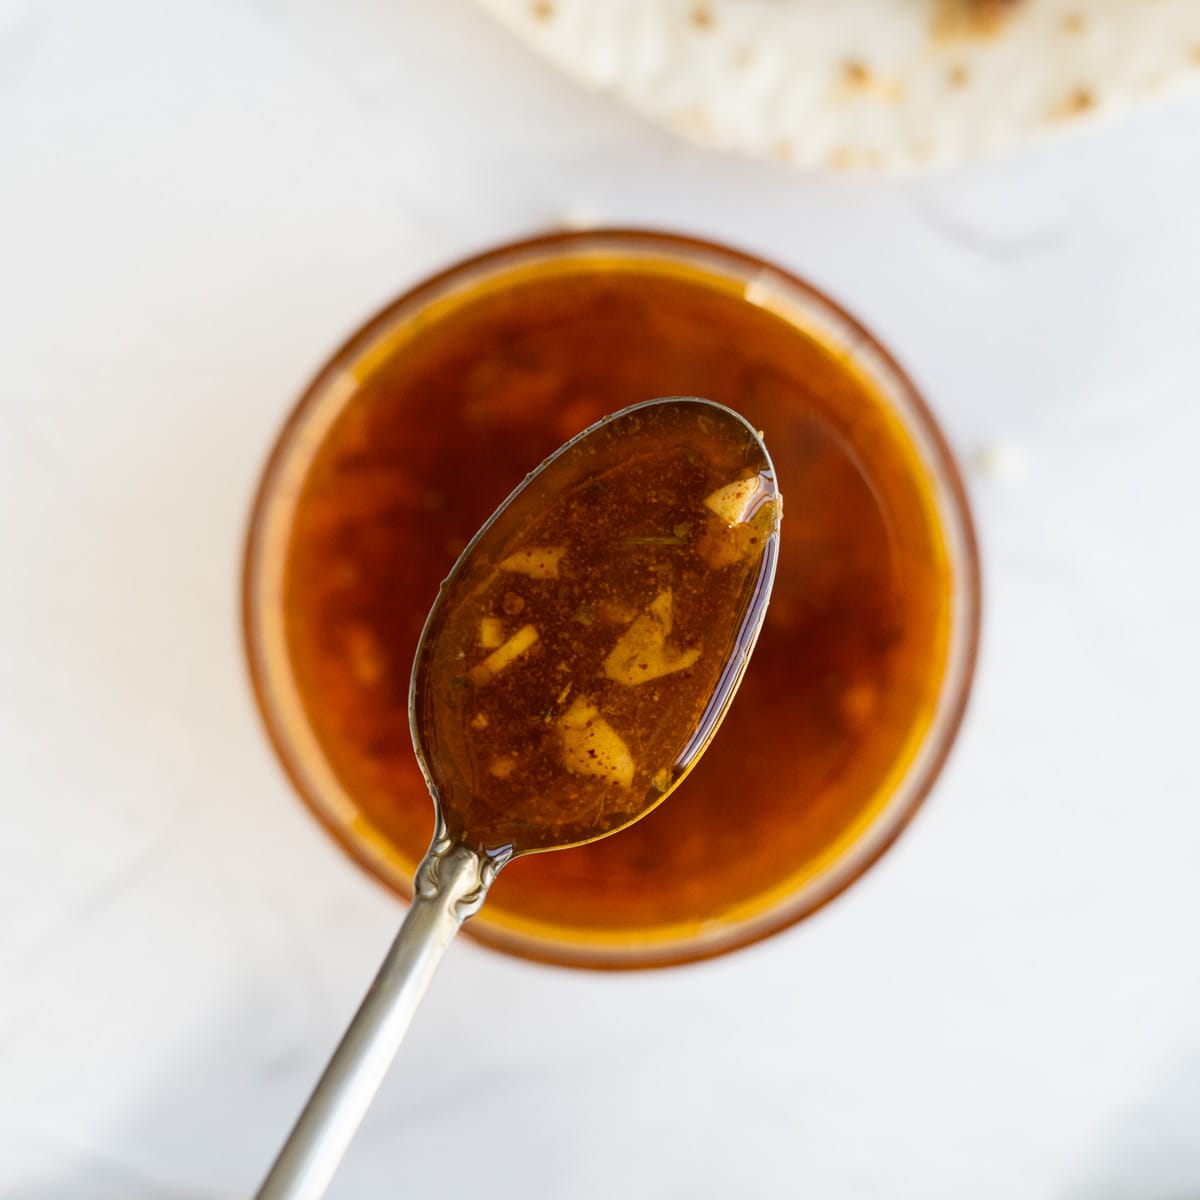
<point>449,865</point>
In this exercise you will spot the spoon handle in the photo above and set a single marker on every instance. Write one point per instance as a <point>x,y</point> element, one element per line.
<point>450,885</point>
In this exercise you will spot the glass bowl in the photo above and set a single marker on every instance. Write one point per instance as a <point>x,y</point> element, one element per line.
<point>574,907</point>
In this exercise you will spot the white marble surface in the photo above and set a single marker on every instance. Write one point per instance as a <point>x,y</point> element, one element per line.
<point>196,203</point>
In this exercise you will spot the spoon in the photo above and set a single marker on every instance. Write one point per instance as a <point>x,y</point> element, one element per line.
<point>575,665</point>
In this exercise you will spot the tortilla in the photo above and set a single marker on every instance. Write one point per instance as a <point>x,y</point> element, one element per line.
<point>867,84</point>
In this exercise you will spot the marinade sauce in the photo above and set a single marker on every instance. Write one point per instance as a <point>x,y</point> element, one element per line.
<point>583,651</point>
<point>850,661</point>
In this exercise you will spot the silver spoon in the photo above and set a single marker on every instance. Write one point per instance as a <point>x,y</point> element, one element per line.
<point>575,665</point>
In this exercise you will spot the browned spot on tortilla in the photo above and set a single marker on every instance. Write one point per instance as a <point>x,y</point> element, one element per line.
<point>543,10</point>
<point>701,16</point>
<point>1077,101</point>
<point>783,149</point>
<point>1196,55</point>
<point>1074,22</point>
<point>856,74</point>
<point>859,78</point>
<point>743,56</point>
<point>971,18</point>
<point>958,76</point>
<point>842,159</point>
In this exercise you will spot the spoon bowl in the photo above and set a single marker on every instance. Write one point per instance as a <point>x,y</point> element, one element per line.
<point>590,638</point>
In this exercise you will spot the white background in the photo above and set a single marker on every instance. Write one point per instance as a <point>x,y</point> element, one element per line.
<point>197,202</point>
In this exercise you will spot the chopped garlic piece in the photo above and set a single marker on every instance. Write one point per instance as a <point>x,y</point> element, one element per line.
<point>503,766</point>
<point>504,656</point>
<point>538,562</point>
<point>734,502</point>
<point>479,721</point>
<point>721,544</point>
<point>591,746</point>
<point>491,632</point>
<point>642,653</point>
<point>662,609</point>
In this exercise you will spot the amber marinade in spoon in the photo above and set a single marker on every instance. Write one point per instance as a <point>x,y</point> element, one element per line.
<point>576,663</point>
